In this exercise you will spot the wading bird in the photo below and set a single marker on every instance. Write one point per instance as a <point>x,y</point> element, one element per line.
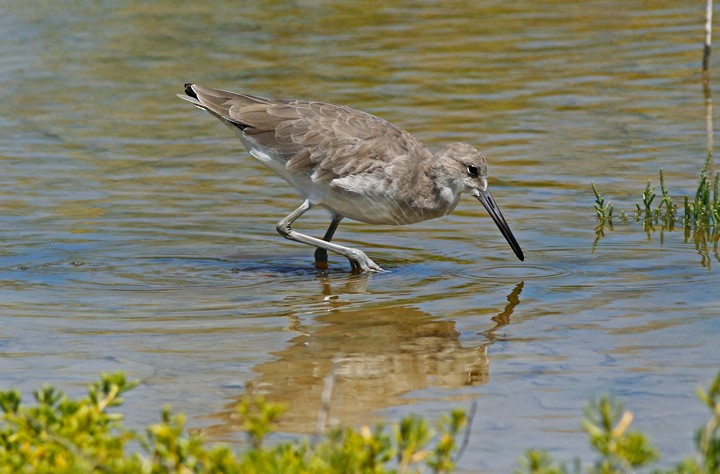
<point>352,163</point>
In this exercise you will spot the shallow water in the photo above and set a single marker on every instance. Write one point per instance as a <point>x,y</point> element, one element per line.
<point>137,236</point>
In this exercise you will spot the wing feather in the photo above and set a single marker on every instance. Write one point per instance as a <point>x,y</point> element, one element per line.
<point>325,141</point>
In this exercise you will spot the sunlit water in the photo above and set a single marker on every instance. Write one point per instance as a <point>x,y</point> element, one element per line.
<point>137,236</point>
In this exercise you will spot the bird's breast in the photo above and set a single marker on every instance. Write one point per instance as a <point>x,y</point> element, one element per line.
<point>378,200</point>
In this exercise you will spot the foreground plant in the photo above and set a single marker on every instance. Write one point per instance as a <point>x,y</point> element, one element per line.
<point>62,435</point>
<point>621,450</point>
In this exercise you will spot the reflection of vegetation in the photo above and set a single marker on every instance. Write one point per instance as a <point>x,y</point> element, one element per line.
<point>60,435</point>
<point>701,218</point>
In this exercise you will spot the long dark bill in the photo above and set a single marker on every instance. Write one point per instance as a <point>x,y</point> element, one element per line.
<point>487,200</point>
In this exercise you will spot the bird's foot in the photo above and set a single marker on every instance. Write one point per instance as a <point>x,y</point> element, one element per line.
<point>361,263</point>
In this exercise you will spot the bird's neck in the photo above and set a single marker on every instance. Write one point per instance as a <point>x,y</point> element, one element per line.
<point>441,174</point>
<point>434,194</point>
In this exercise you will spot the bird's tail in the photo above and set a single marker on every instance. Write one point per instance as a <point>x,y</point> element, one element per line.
<point>219,102</point>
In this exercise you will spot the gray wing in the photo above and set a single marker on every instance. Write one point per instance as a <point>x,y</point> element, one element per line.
<point>326,141</point>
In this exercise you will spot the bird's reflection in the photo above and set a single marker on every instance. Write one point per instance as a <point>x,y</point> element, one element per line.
<point>375,356</point>
<point>503,318</point>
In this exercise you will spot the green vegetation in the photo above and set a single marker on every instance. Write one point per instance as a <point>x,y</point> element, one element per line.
<point>702,212</point>
<point>700,220</point>
<point>604,215</point>
<point>62,435</point>
<point>604,211</point>
<point>622,451</point>
<point>667,216</point>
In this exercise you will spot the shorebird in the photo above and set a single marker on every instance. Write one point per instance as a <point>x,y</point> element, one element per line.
<point>354,164</point>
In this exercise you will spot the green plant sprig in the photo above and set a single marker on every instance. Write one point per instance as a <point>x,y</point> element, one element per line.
<point>702,212</point>
<point>63,435</point>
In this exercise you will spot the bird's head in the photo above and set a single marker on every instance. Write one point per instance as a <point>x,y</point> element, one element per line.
<point>468,172</point>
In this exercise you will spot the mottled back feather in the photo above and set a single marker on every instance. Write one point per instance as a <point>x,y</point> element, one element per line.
<point>326,141</point>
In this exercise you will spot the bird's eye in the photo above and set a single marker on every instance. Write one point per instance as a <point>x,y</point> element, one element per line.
<point>472,170</point>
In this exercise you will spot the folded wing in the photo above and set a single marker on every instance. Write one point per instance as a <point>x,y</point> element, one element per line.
<point>325,141</point>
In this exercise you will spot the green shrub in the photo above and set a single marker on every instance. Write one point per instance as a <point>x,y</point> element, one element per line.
<point>61,435</point>
<point>621,450</point>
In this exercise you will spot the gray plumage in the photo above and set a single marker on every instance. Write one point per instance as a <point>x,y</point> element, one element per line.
<point>355,164</point>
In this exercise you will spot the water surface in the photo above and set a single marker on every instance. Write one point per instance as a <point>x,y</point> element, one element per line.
<point>137,236</point>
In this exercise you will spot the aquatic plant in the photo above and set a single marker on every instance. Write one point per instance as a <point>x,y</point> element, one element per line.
<point>604,215</point>
<point>700,219</point>
<point>702,212</point>
<point>603,211</point>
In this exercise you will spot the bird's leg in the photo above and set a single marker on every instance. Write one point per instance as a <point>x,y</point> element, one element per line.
<point>321,258</point>
<point>358,259</point>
